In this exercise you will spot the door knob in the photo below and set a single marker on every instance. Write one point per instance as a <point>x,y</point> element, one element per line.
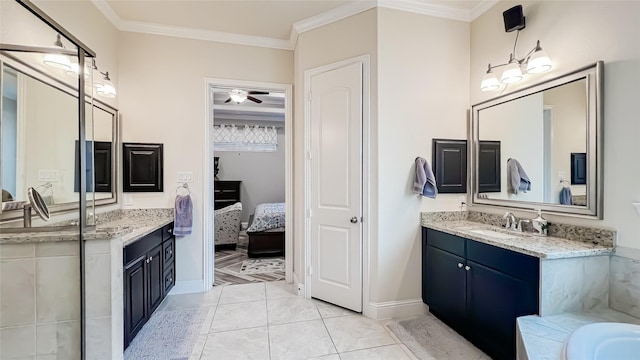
<point>354,220</point>
<point>460,265</point>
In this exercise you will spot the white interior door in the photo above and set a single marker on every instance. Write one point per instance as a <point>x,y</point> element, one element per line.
<point>336,186</point>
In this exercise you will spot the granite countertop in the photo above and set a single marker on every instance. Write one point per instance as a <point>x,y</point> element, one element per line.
<point>544,247</point>
<point>130,225</point>
<point>544,337</point>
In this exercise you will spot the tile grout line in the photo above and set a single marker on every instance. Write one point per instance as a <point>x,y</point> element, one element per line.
<point>328,333</point>
<point>266,305</point>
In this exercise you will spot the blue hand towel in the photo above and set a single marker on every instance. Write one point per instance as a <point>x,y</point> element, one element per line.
<point>517,178</point>
<point>566,197</point>
<point>425,183</point>
<point>183,216</point>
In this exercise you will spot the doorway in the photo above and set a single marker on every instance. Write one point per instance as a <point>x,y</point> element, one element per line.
<point>248,182</point>
<point>336,189</point>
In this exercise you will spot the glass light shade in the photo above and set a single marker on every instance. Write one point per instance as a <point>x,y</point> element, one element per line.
<point>512,73</point>
<point>489,82</point>
<point>74,70</point>
<point>107,89</point>
<point>57,61</point>
<point>98,79</point>
<point>538,62</point>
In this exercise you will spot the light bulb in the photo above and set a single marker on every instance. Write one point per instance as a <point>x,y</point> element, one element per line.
<point>538,61</point>
<point>238,96</point>
<point>107,89</point>
<point>512,73</point>
<point>489,81</point>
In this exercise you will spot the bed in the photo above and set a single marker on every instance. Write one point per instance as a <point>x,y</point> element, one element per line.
<point>266,230</point>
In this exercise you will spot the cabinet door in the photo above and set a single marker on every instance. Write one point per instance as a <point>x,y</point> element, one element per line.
<point>494,301</point>
<point>142,167</point>
<point>450,165</point>
<point>135,293</point>
<point>445,285</point>
<point>489,174</point>
<point>155,279</point>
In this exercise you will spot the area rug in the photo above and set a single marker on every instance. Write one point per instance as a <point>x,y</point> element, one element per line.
<point>261,266</point>
<point>430,339</point>
<point>169,335</point>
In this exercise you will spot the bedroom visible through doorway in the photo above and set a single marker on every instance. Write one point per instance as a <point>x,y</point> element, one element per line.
<point>248,150</point>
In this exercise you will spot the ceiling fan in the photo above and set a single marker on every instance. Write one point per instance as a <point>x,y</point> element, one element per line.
<point>238,96</point>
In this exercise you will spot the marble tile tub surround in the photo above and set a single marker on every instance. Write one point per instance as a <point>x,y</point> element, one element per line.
<point>544,337</point>
<point>624,283</point>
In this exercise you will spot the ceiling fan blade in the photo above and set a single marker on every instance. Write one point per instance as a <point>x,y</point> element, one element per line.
<point>258,92</point>
<point>229,99</point>
<point>254,99</point>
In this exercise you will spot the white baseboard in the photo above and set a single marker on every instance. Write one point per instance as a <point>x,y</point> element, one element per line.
<point>187,287</point>
<point>397,309</point>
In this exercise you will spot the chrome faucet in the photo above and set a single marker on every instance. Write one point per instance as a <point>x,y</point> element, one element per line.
<point>511,221</point>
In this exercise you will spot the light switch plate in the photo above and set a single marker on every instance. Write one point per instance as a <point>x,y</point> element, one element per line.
<point>185,176</point>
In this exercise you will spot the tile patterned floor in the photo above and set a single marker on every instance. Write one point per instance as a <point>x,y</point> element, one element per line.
<point>228,263</point>
<point>269,321</point>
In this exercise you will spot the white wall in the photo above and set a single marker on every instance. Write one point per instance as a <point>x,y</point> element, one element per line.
<point>261,173</point>
<point>569,132</point>
<point>576,34</point>
<point>162,100</point>
<point>518,125</point>
<point>423,89</point>
<point>344,39</point>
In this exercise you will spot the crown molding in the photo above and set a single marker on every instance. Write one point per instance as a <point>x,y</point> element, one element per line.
<point>416,6</point>
<point>426,8</point>
<point>481,8</point>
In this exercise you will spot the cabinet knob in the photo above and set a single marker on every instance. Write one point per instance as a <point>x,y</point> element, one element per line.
<point>170,231</point>
<point>170,252</point>
<point>460,265</point>
<point>150,258</point>
<point>147,261</point>
<point>467,267</point>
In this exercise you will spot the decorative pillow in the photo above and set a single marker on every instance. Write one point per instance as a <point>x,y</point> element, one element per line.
<point>268,216</point>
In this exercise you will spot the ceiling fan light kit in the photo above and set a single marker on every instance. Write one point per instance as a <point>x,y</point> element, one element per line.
<point>535,61</point>
<point>239,96</point>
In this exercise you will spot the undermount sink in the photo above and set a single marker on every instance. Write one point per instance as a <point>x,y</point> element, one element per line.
<point>41,229</point>
<point>493,234</point>
<point>600,341</point>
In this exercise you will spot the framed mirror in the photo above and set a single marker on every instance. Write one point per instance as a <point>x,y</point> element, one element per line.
<point>40,143</point>
<point>541,147</point>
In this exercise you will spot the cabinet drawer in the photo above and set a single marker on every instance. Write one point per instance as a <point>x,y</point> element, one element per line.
<point>142,246</point>
<point>167,232</point>
<point>447,242</point>
<point>168,251</point>
<point>509,262</point>
<point>169,279</point>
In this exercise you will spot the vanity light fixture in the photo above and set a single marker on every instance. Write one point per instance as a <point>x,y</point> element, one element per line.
<point>536,61</point>
<point>103,84</point>
<point>58,61</point>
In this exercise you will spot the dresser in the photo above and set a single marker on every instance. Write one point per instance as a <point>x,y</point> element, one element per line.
<point>225,193</point>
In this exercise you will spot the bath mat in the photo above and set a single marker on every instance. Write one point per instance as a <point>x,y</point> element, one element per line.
<point>261,266</point>
<point>430,339</point>
<point>169,335</point>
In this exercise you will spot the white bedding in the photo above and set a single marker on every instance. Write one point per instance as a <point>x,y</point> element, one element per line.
<point>267,217</point>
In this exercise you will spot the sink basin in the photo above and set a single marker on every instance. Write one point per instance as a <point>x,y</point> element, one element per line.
<point>38,229</point>
<point>493,234</point>
<point>602,341</point>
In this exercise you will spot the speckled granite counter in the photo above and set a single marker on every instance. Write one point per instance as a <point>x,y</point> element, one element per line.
<point>544,337</point>
<point>131,225</point>
<point>544,247</point>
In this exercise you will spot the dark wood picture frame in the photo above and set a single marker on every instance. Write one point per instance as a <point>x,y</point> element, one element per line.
<point>578,168</point>
<point>142,167</point>
<point>450,165</point>
<point>489,176</point>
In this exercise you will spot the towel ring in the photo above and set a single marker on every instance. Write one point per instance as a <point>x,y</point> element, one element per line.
<point>183,186</point>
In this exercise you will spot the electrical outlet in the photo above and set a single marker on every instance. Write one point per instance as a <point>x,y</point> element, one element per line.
<point>561,174</point>
<point>50,175</point>
<point>185,176</point>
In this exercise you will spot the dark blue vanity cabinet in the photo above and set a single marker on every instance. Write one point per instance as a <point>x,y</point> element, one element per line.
<point>478,290</point>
